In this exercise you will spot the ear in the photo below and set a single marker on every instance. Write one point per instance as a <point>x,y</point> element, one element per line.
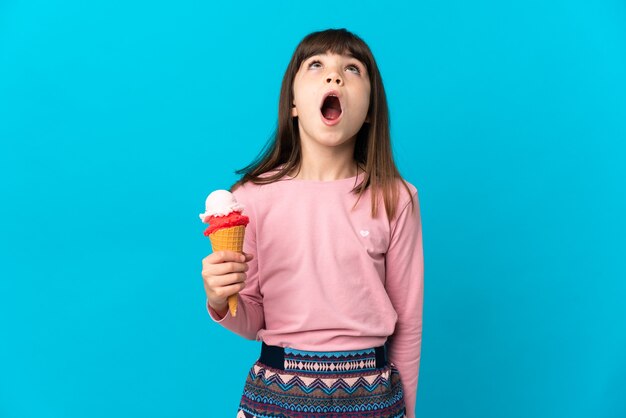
<point>294,111</point>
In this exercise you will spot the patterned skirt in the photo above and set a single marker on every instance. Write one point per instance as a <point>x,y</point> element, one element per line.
<point>330,384</point>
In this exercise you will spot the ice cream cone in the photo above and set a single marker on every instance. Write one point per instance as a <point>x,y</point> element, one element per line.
<point>229,239</point>
<point>227,228</point>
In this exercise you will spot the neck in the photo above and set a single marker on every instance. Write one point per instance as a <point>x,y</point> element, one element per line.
<point>326,166</point>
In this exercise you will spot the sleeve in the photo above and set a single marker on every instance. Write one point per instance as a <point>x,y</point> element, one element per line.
<point>250,316</point>
<point>405,286</point>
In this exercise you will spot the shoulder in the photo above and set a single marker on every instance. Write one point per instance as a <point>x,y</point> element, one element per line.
<point>250,188</point>
<point>257,182</point>
<point>407,192</point>
<point>405,198</point>
<point>244,190</point>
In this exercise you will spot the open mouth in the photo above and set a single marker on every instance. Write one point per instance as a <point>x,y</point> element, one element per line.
<point>331,108</point>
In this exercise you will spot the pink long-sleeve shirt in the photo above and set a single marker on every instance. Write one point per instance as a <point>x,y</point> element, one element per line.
<point>329,278</point>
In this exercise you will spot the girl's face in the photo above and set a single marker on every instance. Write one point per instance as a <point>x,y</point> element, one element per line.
<point>331,99</point>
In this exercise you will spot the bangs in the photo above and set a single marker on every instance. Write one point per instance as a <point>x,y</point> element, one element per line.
<point>337,42</point>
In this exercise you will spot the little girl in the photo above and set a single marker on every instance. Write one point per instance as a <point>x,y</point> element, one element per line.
<point>331,285</point>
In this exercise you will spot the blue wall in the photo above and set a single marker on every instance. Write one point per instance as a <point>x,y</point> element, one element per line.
<point>117,118</point>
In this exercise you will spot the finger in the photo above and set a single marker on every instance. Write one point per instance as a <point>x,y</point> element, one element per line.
<point>222,289</point>
<point>227,267</point>
<point>224,256</point>
<point>227,279</point>
<point>212,261</point>
<point>248,256</point>
<point>231,290</point>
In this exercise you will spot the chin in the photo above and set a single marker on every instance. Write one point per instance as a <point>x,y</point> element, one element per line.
<point>337,143</point>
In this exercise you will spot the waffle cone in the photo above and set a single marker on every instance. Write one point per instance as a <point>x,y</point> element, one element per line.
<point>230,239</point>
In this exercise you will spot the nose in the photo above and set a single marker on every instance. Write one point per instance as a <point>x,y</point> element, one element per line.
<point>334,78</point>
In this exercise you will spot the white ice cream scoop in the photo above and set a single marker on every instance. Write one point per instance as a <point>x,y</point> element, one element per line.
<point>220,203</point>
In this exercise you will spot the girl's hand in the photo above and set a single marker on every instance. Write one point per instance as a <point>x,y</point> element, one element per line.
<point>223,274</point>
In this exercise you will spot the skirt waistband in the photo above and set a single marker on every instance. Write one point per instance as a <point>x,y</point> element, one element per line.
<point>331,362</point>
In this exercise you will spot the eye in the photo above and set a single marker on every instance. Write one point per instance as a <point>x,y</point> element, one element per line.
<point>354,68</point>
<point>315,64</point>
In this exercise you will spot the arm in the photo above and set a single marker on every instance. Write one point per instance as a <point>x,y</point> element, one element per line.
<point>250,317</point>
<point>405,287</point>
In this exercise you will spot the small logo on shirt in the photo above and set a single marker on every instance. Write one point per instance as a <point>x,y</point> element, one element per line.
<point>364,232</point>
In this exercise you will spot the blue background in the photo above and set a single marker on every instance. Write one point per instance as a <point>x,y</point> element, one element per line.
<point>117,118</point>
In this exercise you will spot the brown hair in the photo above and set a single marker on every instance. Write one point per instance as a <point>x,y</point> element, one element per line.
<point>373,143</point>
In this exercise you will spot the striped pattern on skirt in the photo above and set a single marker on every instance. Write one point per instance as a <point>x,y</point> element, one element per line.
<point>328,384</point>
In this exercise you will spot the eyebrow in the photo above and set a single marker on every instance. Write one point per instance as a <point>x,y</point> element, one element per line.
<point>350,56</point>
